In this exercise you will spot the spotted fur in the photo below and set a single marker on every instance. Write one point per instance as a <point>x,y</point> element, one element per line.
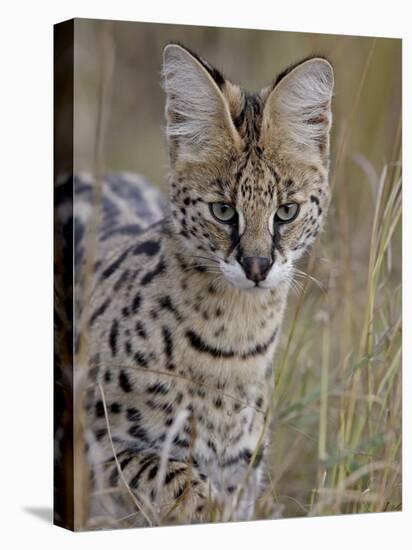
<point>181,340</point>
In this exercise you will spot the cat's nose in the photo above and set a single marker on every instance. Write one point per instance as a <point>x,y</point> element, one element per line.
<point>256,267</point>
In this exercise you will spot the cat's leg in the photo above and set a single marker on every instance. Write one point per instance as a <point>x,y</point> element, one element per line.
<point>176,492</point>
<point>245,509</point>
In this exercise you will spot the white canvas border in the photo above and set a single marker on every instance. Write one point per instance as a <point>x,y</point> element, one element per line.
<point>26,271</point>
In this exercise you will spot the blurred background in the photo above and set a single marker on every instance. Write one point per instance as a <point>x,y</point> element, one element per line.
<point>336,442</point>
<point>252,58</point>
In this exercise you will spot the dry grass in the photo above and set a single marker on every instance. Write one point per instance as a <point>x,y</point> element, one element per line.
<point>337,402</point>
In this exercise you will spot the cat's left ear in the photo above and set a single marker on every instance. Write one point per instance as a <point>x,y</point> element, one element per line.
<point>297,114</point>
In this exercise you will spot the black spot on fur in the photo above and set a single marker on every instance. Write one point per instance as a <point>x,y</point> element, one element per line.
<point>125,312</point>
<point>180,491</point>
<point>99,311</point>
<point>146,463</point>
<point>99,409</point>
<point>167,304</point>
<point>167,408</point>
<point>218,402</point>
<point>133,415</point>
<point>115,265</point>
<point>141,330</point>
<point>114,333</point>
<point>137,300</point>
<point>151,248</point>
<point>114,476</point>
<point>121,280</point>
<point>171,475</point>
<point>130,230</point>
<point>153,472</point>
<point>124,382</point>
<point>138,432</point>
<point>115,408</point>
<point>153,314</point>
<point>168,342</point>
<point>158,389</point>
<point>141,359</point>
<point>168,348</point>
<point>200,345</point>
<point>99,434</point>
<point>183,443</point>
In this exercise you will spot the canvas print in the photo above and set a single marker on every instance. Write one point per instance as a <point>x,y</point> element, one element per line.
<point>227,274</point>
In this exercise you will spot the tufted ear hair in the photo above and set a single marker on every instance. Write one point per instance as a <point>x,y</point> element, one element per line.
<point>198,118</point>
<point>297,112</point>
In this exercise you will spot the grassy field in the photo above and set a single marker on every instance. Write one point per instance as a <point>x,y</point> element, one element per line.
<point>338,396</point>
<point>336,435</point>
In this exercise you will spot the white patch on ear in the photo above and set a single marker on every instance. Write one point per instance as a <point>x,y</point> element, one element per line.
<point>195,107</point>
<point>301,103</point>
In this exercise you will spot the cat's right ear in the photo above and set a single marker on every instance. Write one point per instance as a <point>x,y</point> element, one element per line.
<point>297,115</point>
<point>199,124</point>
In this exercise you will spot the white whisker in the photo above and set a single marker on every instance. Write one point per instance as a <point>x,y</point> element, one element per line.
<point>304,275</point>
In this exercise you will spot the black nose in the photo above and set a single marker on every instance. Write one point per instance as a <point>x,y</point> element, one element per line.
<point>256,267</point>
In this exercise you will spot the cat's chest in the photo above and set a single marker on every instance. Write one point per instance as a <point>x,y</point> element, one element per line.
<point>227,325</point>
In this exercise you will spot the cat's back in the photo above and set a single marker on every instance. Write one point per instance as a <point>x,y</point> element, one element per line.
<point>96,222</point>
<point>116,209</point>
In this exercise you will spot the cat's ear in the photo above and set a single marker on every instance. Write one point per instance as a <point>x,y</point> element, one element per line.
<point>297,114</point>
<point>197,114</point>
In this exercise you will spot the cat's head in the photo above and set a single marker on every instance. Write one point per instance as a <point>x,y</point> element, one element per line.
<point>249,171</point>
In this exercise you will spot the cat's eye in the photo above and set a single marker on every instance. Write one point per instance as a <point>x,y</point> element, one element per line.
<point>286,212</point>
<point>223,212</point>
